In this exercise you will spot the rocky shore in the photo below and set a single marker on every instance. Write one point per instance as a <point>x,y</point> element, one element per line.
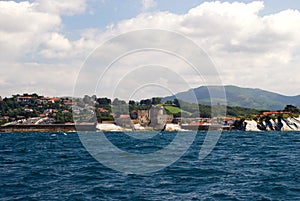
<point>268,124</point>
<point>279,124</point>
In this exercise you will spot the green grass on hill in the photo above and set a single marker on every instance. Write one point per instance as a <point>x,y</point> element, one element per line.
<point>175,110</point>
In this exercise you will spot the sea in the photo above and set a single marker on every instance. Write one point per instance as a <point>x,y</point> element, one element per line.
<point>241,166</point>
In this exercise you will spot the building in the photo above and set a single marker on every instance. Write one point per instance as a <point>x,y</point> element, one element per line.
<point>124,121</point>
<point>54,99</point>
<point>154,117</point>
<point>103,110</point>
<point>48,100</point>
<point>143,117</point>
<point>42,100</point>
<point>68,102</point>
<point>23,98</point>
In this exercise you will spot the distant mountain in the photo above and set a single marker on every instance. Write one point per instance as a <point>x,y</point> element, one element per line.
<point>237,96</point>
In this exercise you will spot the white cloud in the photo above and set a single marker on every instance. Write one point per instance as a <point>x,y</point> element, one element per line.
<point>147,4</point>
<point>46,79</point>
<point>61,7</point>
<point>22,28</point>
<point>247,48</point>
<point>56,45</point>
<point>34,31</point>
<point>28,36</point>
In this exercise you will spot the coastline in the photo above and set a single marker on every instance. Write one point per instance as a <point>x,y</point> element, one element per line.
<point>100,127</point>
<point>47,128</point>
<point>283,125</point>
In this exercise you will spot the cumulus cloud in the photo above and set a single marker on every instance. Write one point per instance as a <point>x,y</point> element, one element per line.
<point>30,33</point>
<point>46,79</point>
<point>147,4</point>
<point>22,28</point>
<point>33,31</point>
<point>61,7</point>
<point>247,48</point>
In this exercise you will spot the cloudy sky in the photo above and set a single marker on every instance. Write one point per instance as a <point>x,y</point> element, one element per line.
<point>46,45</point>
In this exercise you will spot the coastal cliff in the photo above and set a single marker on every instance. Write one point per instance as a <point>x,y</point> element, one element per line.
<point>279,124</point>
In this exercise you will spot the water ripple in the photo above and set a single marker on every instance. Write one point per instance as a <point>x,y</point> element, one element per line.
<point>243,166</point>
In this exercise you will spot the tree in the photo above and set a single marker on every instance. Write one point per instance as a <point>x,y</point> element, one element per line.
<point>156,101</point>
<point>146,102</point>
<point>131,102</point>
<point>169,102</point>
<point>176,102</point>
<point>59,118</point>
<point>120,107</point>
<point>104,101</point>
<point>68,117</point>
<point>292,109</point>
<point>132,105</point>
<point>87,99</point>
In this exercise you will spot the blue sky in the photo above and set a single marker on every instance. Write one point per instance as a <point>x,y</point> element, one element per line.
<point>109,11</point>
<point>45,44</point>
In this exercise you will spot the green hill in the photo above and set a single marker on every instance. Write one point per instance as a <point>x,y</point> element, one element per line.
<point>175,110</point>
<point>237,96</point>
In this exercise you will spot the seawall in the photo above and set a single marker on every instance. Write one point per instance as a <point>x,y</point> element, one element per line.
<point>47,128</point>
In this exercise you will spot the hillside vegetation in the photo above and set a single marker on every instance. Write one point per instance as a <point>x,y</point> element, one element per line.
<point>237,96</point>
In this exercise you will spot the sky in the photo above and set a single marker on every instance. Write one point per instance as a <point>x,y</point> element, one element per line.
<point>49,47</point>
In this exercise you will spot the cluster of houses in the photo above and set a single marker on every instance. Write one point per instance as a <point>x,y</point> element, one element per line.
<point>154,118</point>
<point>44,100</point>
<point>20,119</point>
<point>157,119</point>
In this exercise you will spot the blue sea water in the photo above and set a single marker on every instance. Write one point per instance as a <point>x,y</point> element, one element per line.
<point>242,166</point>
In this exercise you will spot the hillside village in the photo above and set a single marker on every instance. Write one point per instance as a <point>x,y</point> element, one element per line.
<point>148,114</point>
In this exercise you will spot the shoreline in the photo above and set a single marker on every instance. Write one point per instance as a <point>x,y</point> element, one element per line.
<point>110,128</point>
<point>97,127</point>
<point>46,128</point>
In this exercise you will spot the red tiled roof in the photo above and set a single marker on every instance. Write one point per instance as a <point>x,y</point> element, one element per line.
<point>124,116</point>
<point>54,99</point>
<point>24,97</point>
<point>102,109</point>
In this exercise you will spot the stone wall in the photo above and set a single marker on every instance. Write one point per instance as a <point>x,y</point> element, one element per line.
<point>47,128</point>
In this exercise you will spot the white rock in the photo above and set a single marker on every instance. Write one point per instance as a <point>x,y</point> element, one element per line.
<point>251,125</point>
<point>109,127</point>
<point>285,127</point>
<point>172,127</point>
<point>294,124</point>
<point>138,127</point>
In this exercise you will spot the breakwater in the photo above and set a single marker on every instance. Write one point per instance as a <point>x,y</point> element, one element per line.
<point>47,128</point>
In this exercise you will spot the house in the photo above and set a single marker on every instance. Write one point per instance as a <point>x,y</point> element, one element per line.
<point>154,117</point>
<point>102,110</point>
<point>143,117</point>
<point>68,102</point>
<point>124,121</point>
<point>157,115</point>
<point>23,98</point>
<point>28,110</point>
<point>275,113</point>
<point>76,109</point>
<point>53,100</point>
<point>65,111</point>
<point>42,100</point>
<point>48,100</point>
